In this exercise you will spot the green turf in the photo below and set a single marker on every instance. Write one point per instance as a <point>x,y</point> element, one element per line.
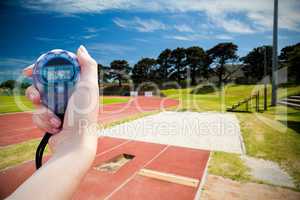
<point>10,104</point>
<point>220,100</point>
<point>228,165</point>
<point>272,135</point>
<point>111,100</point>
<point>14,104</point>
<point>18,153</point>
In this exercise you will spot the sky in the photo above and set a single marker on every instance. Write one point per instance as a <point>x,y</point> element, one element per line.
<point>132,29</point>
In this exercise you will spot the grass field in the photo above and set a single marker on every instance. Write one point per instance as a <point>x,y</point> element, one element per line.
<point>228,165</point>
<point>20,103</point>
<point>18,153</point>
<point>219,100</point>
<point>272,135</point>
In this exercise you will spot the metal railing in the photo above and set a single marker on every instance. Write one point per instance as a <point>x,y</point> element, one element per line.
<point>248,102</point>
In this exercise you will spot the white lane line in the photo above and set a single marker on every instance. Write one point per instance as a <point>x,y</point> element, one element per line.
<point>115,147</point>
<point>134,174</point>
<point>203,179</point>
<point>12,113</point>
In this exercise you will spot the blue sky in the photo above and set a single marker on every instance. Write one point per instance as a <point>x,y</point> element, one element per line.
<point>132,29</point>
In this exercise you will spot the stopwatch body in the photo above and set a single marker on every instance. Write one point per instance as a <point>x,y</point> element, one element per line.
<point>55,75</point>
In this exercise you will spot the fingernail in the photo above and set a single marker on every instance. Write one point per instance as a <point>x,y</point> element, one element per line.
<point>32,96</point>
<point>54,130</point>
<point>55,122</point>
<point>84,49</point>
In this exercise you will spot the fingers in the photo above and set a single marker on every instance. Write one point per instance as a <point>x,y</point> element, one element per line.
<point>28,70</point>
<point>46,120</point>
<point>33,95</point>
<point>43,118</point>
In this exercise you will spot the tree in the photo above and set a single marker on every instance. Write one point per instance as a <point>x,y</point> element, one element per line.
<point>197,60</point>
<point>221,54</point>
<point>164,61</point>
<point>119,70</point>
<point>103,74</point>
<point>144,70</point>
<point>254,62</point>
<point>178,57</point>
<point>9,84</point>
<point>290,58</point>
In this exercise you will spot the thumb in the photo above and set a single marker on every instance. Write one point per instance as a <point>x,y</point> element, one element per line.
<point>88,65</point>
<point>84,102</point>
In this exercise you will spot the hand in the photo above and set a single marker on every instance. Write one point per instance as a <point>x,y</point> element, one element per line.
<point>78,129</point>
<point>74,144</point>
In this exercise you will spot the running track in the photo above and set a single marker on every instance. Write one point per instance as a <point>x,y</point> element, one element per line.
<point>18,127</point>
<point>126,183</point>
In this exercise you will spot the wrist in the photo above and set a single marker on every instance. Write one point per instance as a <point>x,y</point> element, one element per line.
<point>81,144</point>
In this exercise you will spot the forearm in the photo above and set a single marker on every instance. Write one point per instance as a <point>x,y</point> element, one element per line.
<point>60,176</point>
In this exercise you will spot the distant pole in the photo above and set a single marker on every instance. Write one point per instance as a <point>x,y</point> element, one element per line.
<point>265,78</point>
<point>275,59</point>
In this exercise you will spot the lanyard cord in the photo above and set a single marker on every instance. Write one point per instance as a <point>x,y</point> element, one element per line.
<point>41,148</point>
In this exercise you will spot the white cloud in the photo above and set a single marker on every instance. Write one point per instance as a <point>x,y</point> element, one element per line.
<point>141,25</point>
<point>232,26</point>
<point>257,12</point>
<point>181,37</point>
<point>189,37</point>
<point>183,28</point>
<point>14,62</point>
<point>224,37</point>
<point>109,49</point>
<point>89,36</point>
<point>198,37</point>
<point>140,40</point>
<point>91,30</point>
<point>66,40</point>
<point>94,30</point>
<point>47,39</point>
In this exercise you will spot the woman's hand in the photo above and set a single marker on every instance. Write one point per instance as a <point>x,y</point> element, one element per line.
<point>79,127</point>
<point>74,144</point>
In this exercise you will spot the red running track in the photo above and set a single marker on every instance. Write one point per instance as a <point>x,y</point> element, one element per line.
<point>18,127</point>
<point>126,183</point>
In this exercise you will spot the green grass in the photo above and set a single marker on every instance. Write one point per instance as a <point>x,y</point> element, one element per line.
<point>10,104</point>
<point>111,100</point>
<point>18,153</point>
<point>272,135</point>
<point>220,100</point>
<point>228,165</point>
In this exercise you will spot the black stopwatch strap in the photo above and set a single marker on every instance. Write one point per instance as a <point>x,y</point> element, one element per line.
<point>41,148</point>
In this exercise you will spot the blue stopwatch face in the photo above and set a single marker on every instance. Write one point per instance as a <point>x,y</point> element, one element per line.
<point>55,75</point>
<point>58,70</point>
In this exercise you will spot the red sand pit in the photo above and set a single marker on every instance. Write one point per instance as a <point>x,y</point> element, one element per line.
<point>18,127</point>
<point>126,183</point>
